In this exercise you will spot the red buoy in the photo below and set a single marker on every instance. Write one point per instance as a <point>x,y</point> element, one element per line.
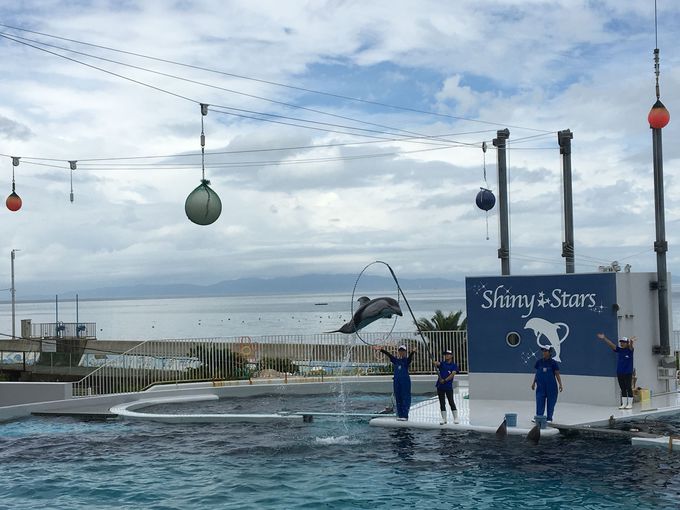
<point>659,116</point>
<point>13,202</point>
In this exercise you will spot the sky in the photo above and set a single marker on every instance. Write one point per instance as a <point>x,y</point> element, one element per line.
<point>338,133</point>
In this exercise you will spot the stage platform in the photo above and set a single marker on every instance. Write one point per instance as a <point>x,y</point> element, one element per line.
<point>487,415</point>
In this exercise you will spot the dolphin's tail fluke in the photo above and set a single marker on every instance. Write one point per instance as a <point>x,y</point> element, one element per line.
<point>346,328</point>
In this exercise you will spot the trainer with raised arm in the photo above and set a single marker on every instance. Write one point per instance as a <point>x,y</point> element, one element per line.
<point>624,366</point>
<point>402,379</point>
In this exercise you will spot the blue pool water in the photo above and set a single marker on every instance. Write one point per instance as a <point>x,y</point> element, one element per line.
<point>332,463</point>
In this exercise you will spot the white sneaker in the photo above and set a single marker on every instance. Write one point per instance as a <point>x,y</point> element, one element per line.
<point>455,417</point>
<point>402,419</point>
<point>623,405</point>
<point>629,402</point>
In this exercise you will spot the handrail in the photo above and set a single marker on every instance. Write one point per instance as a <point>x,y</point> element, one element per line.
<point>324,354</point>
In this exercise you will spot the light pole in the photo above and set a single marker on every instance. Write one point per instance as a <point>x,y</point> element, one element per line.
<point>13,291</point>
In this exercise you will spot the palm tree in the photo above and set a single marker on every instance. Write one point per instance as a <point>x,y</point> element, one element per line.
<point>441,322</point>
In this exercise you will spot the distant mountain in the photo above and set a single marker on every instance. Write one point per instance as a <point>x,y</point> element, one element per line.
<point>315,283</point>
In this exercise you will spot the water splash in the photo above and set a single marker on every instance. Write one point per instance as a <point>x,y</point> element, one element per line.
<point>343,393</point>
<point>342,440</point>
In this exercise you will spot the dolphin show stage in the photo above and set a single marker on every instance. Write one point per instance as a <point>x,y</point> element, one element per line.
<point>513,323</point>
<point>489,417</point>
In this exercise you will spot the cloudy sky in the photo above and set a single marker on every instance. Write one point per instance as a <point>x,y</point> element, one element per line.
<point>338,133</point>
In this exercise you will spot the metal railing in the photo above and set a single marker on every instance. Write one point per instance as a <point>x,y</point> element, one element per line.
<point>64,330</point>
<point>242,358</point>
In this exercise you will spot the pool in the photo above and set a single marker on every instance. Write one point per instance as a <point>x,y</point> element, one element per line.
<point>331,463</point>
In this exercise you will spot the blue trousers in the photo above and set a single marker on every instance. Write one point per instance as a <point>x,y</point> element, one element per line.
<point>546,396</point>
<point>402,395</point>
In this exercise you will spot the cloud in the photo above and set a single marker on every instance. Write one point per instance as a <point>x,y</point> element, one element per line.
<point>10,129</point>
<point>403,191</point>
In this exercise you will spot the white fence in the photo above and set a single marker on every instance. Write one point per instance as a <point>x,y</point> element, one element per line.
<point>157,361</point>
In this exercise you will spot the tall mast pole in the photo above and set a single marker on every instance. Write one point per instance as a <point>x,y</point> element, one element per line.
<point>564,141</point>
<point>658,119</point>
<point>504,251</point>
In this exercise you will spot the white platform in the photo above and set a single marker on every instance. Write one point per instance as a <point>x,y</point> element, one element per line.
<point>127,411</point>
<point>657,442</point>
<point>487,415</point>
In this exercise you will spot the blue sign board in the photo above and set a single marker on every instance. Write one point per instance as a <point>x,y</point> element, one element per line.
<point>511,317</point>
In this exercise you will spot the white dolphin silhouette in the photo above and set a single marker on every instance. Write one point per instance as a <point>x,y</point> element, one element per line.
<point>549,330</point>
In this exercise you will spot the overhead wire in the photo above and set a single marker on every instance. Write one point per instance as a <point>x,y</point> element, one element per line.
<point>138,82</point>
<point>231,164</point>
<point>196,82</point>
<point>277,84</point>
<point>231,111</point>
<point>241,151</point>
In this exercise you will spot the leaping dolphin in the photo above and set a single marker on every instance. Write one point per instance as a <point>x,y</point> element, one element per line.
<point>370,311</point>
<point>542,327</point>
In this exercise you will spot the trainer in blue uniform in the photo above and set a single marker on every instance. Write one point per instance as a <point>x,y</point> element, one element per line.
<point>402,380</point>
<point>447,371</point>
<point>546,383</point>
<point>624,367</point>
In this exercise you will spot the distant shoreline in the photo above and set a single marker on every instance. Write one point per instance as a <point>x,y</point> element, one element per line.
<point>295,285</point>
<point>456,293</point>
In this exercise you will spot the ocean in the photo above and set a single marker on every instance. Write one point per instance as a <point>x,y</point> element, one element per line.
<point>228,316</point>
<point>231,316</point>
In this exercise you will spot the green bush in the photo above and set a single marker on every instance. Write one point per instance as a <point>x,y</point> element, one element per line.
<point>280,365</point>
<point>226,364</point>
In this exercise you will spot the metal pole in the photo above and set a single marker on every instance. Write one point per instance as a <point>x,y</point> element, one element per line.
<point>77,323</point>
<point>56,315</point>
<point>13,300</point>
<point>504,250</point>
<point>564,140</point>
<point>660,245</point>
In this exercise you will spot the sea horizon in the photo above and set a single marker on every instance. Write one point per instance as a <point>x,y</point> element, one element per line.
<point>224,316</point>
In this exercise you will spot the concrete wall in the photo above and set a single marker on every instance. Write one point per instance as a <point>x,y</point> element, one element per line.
<point>13,393</point>
<point>599,390</point>
<point>421,385</point>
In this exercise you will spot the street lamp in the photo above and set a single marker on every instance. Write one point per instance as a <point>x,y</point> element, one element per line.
<point>13,291</point>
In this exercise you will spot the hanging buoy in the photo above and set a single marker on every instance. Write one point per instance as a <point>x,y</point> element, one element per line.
<point>13,202</point>
<point>203,206</point>
<point>485,199</point>
<point>659,116</point>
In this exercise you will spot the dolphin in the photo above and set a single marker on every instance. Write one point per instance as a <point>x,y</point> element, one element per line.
<point>542,327</point>
<point>534,434</point>
<point>370,310</point>
<point>502,431</point>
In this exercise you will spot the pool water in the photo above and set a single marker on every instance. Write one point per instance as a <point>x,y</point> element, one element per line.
<point>332,463</point>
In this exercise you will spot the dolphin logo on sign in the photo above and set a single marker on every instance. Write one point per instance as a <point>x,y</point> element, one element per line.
<point>551,332</point>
